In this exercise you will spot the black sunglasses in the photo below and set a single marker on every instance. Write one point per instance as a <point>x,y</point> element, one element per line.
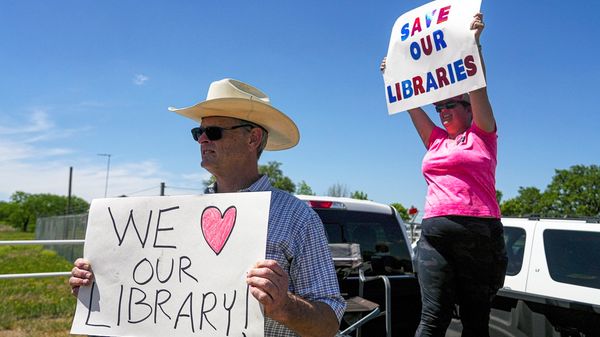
<point>214,132</point>
<point>451,105</point>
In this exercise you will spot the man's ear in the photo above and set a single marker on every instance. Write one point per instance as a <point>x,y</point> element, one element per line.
<point>255,138</point>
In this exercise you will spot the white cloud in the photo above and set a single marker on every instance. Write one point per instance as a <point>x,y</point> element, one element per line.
<point>15,151</point>
<point>30,164</point>
<point>198,177</point>
<point>89,179</point>
<point>21,140</point>
<point>37,121</point>
<point>140,79</point>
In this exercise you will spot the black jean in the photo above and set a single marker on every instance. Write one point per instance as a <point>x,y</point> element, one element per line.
<point>460,260</point>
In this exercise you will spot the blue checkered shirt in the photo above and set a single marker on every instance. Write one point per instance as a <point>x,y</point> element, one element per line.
<point>296,240</point>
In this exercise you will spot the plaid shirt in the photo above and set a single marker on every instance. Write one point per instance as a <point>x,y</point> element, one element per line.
<point>296,240</point>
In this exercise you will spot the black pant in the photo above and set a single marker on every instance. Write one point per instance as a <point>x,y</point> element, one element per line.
<point>460,260</point>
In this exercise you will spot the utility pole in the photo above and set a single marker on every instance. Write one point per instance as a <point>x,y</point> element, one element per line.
<point>107,170</point>
<point>162,189</point>
<point>70,182</point>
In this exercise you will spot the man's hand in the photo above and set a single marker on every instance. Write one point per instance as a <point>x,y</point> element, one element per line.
<point>81,275</point>
<point>269,285</point>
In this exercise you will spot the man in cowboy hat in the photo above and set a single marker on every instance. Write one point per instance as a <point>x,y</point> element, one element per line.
<point>296,283</point>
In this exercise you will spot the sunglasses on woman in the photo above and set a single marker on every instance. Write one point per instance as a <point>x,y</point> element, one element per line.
<point>450,105</point>
<point>214,132</point>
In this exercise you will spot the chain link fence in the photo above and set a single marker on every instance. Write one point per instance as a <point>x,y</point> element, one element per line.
<point>66,227</point>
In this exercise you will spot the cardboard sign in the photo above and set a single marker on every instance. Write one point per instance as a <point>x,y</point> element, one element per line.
<point>432,55</point>
<point>173,266</point>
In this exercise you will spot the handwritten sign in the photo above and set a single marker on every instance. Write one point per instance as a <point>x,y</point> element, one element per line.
<point>432,55</point>
<point>173,266</point>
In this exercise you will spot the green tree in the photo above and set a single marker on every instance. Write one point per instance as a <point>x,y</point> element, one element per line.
<point>337,190</point>
<point>209,181</point>
<point>276,177</point>
<point>275,174</point>
<point>528,202</point>
<point>360,195</point>
<point>26,208</point>
<point>574,192</point>
<point>499,195</point>
<point>304,189</point>
<point>401,210</point>
<point>20,216</point>
<point>6,208</point>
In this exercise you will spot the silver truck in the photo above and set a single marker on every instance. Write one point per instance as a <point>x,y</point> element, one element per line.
<point>385,249</point>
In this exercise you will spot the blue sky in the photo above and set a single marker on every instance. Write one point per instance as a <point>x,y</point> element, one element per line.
<point>80,78</point>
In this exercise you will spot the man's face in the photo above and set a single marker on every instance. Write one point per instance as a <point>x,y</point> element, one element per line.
<point>225,154</point>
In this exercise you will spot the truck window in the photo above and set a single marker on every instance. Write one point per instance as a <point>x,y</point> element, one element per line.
<point>514,238</point>
<point>573,256</point>
<point>380,237</point>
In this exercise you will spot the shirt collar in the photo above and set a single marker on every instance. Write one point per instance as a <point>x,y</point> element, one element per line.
<point>262,184</point>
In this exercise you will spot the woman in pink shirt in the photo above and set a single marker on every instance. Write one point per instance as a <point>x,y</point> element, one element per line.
<point>461,258</point>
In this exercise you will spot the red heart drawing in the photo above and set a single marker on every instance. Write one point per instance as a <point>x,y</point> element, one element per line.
<point>217,228</point>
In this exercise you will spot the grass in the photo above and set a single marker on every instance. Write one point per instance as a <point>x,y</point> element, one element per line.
<point>33,307</point>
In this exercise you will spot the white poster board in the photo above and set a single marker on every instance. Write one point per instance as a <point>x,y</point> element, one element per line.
<point>173,266</point>
<point>432,55</point>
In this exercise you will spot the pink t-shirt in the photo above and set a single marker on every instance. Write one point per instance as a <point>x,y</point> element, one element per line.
<point>460,174</point>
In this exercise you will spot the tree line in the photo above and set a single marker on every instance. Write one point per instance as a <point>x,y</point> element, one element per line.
<point>573,192</point>
<point>24,208</point>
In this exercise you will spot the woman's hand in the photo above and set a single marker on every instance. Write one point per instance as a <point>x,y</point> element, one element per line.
<point>382,65</point>
<point>477,25</point>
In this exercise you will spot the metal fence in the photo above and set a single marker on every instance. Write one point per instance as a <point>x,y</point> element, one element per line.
<point>66,227</point>
<point>63,234</point>
<point>38,242</point>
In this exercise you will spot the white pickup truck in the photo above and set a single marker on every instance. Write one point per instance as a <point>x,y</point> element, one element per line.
<point>552,285</point>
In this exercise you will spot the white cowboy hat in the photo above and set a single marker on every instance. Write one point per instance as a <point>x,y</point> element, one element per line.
<point>232,98</point>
